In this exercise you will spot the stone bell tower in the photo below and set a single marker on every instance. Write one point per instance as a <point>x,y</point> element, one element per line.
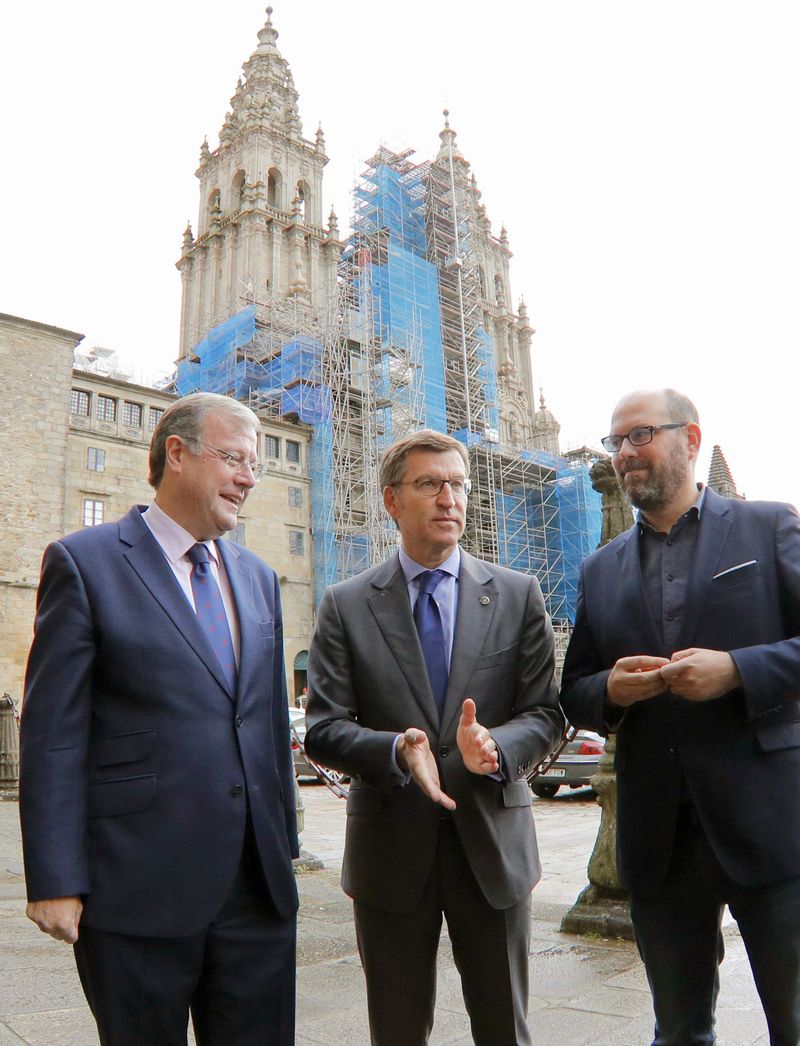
<point>260,235</point>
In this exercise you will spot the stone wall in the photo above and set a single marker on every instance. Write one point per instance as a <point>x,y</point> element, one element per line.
<point>36,365</point>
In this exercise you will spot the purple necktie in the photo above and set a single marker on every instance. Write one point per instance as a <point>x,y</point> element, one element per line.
<point>210,612</point>
<point>431,635</point>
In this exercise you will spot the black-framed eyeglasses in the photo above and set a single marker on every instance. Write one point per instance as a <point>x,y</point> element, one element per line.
<point>638,437</point>
<point>431,488</point>
<point>234,462</point>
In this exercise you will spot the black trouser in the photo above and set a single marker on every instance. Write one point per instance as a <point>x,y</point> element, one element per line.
<point>680,940</point>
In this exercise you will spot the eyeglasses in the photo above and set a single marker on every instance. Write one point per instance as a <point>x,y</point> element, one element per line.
<point>638,437</point>
<point>234,462</point>
<point>431,488</point>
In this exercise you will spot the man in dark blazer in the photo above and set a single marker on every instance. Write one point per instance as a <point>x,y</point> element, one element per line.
<point>439,811</point>
<point>687,645</point>
<point>157,797</point>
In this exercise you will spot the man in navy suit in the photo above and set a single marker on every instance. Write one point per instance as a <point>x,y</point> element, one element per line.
<point>687,645</point>
<point>157,797</point>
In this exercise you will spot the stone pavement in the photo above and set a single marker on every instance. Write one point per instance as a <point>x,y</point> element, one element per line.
<point>583,992</point>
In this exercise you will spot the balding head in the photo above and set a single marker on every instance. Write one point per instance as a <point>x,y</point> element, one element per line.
<point>660,439</point>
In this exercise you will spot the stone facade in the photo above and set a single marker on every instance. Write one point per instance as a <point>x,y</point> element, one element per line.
<point>36,364</point>
<point>74,454</point>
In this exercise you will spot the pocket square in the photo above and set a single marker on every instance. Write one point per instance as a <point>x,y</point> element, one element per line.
<point>739,566</point>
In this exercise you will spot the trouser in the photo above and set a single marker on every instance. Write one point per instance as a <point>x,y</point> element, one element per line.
<point>678,932</point>
<point>490,948</point>
<point>236,977</point>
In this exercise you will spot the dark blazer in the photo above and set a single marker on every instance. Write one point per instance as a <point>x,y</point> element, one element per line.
<point>739,754</point>
<point>368,683</point>
<point>137,762</point>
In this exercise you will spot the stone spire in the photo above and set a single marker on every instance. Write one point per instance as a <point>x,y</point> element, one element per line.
<point>447,136</point>
<point>267,95</point>
<point>545,428</point>
<point>719,475</point>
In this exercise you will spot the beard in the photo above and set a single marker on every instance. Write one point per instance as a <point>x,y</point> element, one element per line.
<point>655,486</point>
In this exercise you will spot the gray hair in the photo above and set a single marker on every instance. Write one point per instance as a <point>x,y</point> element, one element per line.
<point>393,461</point>
<point>185,418</point>
<point>680,407</point>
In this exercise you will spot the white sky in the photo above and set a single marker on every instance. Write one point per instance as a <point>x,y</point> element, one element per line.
<point>642,155</point>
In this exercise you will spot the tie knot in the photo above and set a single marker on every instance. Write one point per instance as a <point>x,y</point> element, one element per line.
<point>428,581</point>
<point>198,554</point>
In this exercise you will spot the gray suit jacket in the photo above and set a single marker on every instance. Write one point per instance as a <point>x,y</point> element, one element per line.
<point>368,683</point>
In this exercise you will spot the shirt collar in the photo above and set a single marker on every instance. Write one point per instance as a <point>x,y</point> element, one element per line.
<point>412,569</point>
<point>175,540</point>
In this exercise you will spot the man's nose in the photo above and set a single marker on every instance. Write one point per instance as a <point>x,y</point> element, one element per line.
<point>445,495</point>
<point>244,477</point>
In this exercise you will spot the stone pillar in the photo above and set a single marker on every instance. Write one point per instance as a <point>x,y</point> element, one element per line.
<point>9,749</point>
<point>603,907</point>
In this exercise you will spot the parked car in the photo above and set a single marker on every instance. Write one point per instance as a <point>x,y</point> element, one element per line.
<point>574,766</point>
<point>297,720</point>
<point>302,767</point>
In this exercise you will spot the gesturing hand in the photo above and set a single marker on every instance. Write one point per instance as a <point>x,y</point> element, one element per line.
<point>414,754</point>
<point>475,743</point>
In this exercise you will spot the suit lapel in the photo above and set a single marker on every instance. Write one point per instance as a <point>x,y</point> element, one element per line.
<point>715,526</point>
<point>630,593</point>
<point>149,563</point>
<point>477,606</point>
<point>389,604</point>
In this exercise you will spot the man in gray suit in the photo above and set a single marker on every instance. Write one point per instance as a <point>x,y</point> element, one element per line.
<point>431,685</point>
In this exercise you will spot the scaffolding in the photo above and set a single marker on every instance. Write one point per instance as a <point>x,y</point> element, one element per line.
<point>401,347</point>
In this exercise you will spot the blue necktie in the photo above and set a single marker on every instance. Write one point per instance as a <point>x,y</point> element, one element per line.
<point>210,612</point>
<point>431,635</point>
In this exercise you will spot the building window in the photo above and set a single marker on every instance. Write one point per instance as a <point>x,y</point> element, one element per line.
<point>79,403</point>
<point>154,417</point>
<point>293,451</point>
<point>95,459</point>
<point>295,497</point>
<point>132,415</point>
<point>106,408</point>
<point>273,446</point>
<point>92,512</point>
<point>297,543</point>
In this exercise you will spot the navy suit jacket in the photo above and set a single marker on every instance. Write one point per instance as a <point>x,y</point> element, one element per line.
<point>739,754</point>
<point>137,762</point>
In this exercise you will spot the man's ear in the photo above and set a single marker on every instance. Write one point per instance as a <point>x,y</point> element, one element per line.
<point>694,437</point>
<point>174,452</point>
<point>390,501</point>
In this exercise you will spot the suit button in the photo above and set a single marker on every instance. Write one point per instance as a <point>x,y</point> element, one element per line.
<point>236,791</point>
<point>672,754</point>
<point>444,751</point>
<point>239,720</point>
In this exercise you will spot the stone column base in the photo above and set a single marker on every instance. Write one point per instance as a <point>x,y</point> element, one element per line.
<point>600,912</point>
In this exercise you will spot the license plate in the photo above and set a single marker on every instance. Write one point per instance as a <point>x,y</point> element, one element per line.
<point>554,773</point>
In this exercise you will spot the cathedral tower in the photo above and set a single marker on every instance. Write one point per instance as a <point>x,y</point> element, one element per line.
<point>260,235</point>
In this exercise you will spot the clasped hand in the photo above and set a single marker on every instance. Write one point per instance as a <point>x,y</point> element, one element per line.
<point>695,673</point>
<point>474,741</point>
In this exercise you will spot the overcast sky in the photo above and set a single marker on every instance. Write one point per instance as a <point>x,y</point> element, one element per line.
<point>643,157</point>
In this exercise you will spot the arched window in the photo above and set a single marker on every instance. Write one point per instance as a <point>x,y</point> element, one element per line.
<point>303,194</point>
<point>274,188</point>
<point>499,295</point>
<point>237,191</point>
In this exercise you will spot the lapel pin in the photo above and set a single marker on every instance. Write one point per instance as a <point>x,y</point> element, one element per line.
<point>485,601</point>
